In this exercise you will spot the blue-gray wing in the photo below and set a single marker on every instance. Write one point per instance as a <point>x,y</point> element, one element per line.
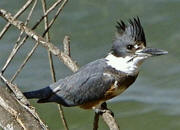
<point>73,91</point>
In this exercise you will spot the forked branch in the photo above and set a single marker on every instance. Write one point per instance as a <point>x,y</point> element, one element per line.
<point>48,45</point>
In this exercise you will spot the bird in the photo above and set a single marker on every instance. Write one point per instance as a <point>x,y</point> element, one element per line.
<point>105,78</point>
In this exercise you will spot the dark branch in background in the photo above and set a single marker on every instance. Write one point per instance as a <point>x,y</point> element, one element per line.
<point>63,56</point>
<point>96,120</point>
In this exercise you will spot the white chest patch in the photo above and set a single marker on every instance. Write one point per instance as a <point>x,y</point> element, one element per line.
<point>124,64</point>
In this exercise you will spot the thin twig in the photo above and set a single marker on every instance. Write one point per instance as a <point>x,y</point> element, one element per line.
<point>55,16</point>
<point>53,6</point>
<point>63,117</point>
<point>31,52</point>
<point>22,9</point>
<point>66,43</point>
<point>48,45</point>
<point>24,62</point>
<point>12,54</point>
<point>27,20</point>
<point>52,65</point>
<point>107,116</point>
<point>46,13</point>
<point>18,43</point>
<point>15,50</point>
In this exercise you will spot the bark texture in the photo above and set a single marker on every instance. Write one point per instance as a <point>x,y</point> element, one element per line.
<point>13,115</point>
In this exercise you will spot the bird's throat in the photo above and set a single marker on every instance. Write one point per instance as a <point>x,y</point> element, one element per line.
<point>128,64</point>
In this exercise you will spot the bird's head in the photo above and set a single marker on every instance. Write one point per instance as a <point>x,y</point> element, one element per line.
<point>129,47</point>
<point>130,41</point>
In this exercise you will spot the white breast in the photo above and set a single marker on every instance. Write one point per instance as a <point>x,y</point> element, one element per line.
<point>124,64</point>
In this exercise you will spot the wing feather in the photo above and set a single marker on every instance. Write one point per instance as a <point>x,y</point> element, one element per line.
<point>88,84</point>
<point>91,89</point>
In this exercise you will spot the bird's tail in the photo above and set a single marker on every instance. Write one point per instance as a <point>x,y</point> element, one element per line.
<point>39,94</point>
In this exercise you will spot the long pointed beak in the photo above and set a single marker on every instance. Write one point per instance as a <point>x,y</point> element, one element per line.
<point>150,52</point>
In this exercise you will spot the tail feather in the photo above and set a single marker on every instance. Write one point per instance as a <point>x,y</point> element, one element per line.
<point>39,94</point>
<point>46,94</point>
<point>43,100</point>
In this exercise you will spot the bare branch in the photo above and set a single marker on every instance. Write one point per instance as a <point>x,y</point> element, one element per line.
<point>27,20</point>
<point>49,46</point>
<point>48,39</point>
<point>63,117</point>
<point>18,43</point>
<point>22,9</point>
<point>52,65</point>
<point>52,7</point>
<point>13,52</point>
<point>46,13</point>
<point>24,62</point>
<point>15,90</point>
<point>66,43</point>
<point>110,120</point>
<point>108,117</point>
<point>22,102</point>
<point>64,57</point>
<point>15,116</point>
<point>55,16</point>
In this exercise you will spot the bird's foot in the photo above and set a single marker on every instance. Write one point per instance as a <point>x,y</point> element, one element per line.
<point>99,111</point>
<point>103,109</point>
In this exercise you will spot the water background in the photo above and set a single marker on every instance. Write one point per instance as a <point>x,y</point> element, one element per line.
<point>151,103</point>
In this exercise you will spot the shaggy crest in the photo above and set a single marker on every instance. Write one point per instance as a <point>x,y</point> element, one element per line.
<point>132,31</point>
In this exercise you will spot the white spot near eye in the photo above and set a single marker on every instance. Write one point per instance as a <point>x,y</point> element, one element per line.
<point>136,46</point>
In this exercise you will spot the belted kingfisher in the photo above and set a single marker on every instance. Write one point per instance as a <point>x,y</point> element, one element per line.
<point>105,78</point>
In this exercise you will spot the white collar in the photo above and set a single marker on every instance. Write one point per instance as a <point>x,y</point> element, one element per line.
<point>124,64</point>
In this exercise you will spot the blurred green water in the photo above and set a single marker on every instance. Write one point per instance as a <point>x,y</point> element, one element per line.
<point>152,103</point>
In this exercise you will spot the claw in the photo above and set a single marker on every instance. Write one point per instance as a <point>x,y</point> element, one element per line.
<point>99,111</point>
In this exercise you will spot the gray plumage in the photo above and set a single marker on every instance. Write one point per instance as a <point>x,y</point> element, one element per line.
<point>86,85</point>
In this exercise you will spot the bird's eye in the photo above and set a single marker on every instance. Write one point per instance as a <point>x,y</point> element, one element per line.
<point>130,47</point>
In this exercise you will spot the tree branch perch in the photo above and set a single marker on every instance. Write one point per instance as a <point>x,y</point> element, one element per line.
<point>19,115</point>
